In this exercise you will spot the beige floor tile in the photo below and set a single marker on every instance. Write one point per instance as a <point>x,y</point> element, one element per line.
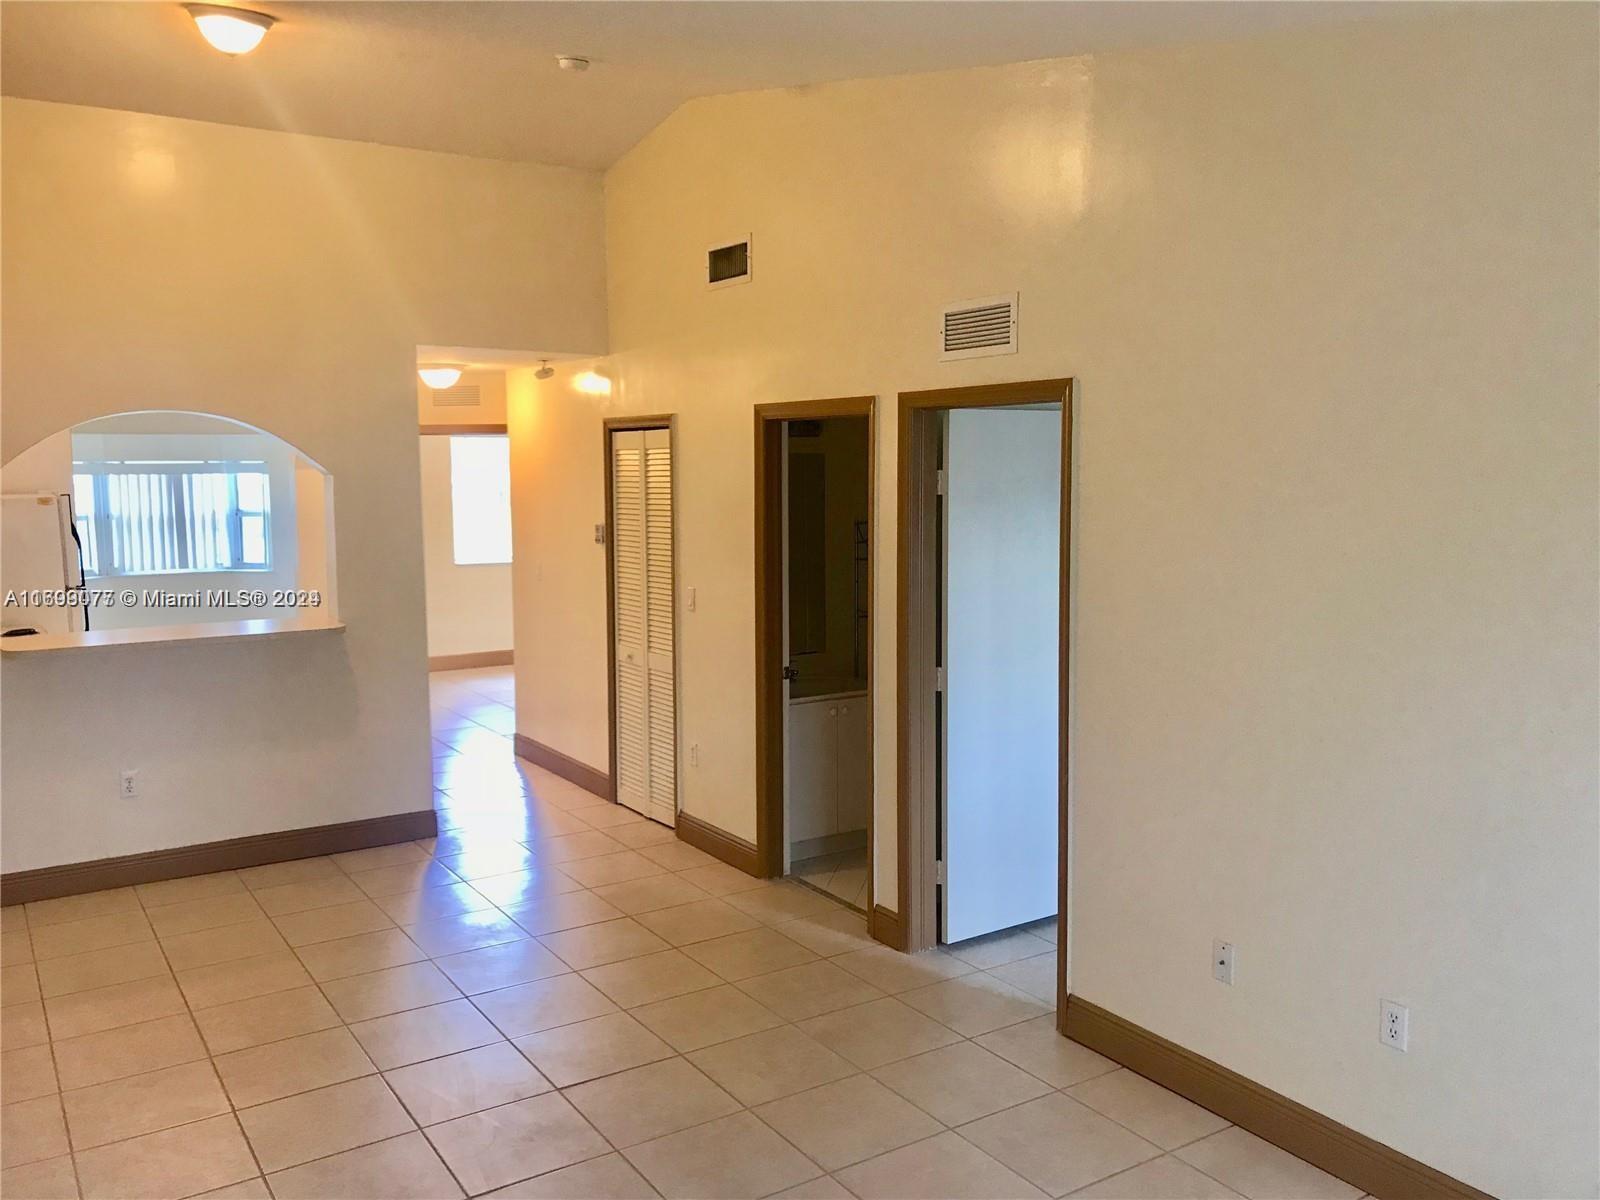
<point>755,952</point>
<point>1058,1144</point>
<point>487,861</point>
<point>606,942</point>
<point>262,1019</point>
<point>308,893</point>
<point>101,968</point>
<point>174,1162</point>
<point>566,910</point>
<point>782,902</point>
<point>573,847</point>
<point>128,1050</point>
<point>722,880</point>
<point>650,977</point>
<point>392,990</point>
<point>31,1130</point>
<point>1165,1178</point>
<point>94,933</point>
<point>765,1066</point>
<point>500,966</point>
<point>823,1187</point>
<point>23,1025</point>
<point>298,1064</point>
<point>42,913</point>
<point>432,903</point>
<point>1036,976</point>
<point>704,1018</point>
<point>650,893</point>
<point>242,979</point>
<point>946,1167</point>
<point>960,1083</point>
<point>637,837</point>
<point>125,1108</point>
<point>515,1141</point>
<point>420,1033</point>
<point>465,931</point>
<point>1038,1048</point>
<point>15,947</point>
<point>974,1004</point>
<point>27,1074</point>
<point>195,887</point>
<point>248,1189</point>
<point>676,856</point>
<point>543,1004</point>
<point>208,947</point>
<point>586,1050</point>
<point>108,1007</point>
<point>442,1089</point>
<point>651,1101</point>
<point>211,912</point>
<point>424,874</point>
<point>311,1125</point>
<point>1259,1169</point>
<point>848,1121</point>
<point>880,1032</point>
<point>401,1168</point>
<point>609,1177</point>
<point>49,1179</point>
<point>734,1157</point>
<point>357,955</point>
<point>301,870</point>
<point>376,857</point>
<point>997,949</point>
<point>891,971</point>
<point>1147,1108</point>
<point>520,888</point>
<point>313,925</point>
<point>809,990</point>
<point>611,868</point>
<point>697,922</point>
<point>19,984</point>
<point>829,934</point>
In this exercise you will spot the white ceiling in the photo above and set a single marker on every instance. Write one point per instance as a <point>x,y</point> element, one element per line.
<point>479,77</point>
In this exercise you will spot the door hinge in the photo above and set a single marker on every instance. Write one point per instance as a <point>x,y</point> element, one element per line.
<point>939,872</point>
<point>938,679</point>
<point>939,481</point>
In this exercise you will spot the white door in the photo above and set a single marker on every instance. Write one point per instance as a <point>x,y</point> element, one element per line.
<point>642,583</point>
<point>1001,602</point>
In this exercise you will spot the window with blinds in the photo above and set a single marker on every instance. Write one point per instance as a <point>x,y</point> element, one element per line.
<point>166,518</point>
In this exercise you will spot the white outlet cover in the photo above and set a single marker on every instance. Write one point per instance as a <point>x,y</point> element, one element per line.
<point>1222,961</point>
<point>1394,1025</point>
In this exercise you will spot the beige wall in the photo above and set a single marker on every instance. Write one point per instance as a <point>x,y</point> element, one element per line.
<point>285,281</point>
<point>469,607</point>
<point>1330,299</point>
<point>490,409</point>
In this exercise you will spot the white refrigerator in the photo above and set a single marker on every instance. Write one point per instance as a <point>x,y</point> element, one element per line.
<point>39,558</point>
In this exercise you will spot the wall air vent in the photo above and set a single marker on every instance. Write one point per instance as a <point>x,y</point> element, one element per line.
<point>728,262</point>
<point>463,395</point>
<point>979,328</point>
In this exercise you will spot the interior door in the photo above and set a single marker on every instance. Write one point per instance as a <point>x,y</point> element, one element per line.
<point>643,588</point>
<point>1002,610</point>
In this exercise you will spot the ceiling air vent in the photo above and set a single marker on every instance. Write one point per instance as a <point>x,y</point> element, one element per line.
<point>728,262</point>
<point>463,395</point>
<point>979,328</point>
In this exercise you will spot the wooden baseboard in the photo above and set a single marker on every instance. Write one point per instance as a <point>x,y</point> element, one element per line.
<point>719,843</point>
<point>887,927</point>
<point>570,769</point>
<point>463,662</point>
<point>1357,1159</point>
<point>72,879</point>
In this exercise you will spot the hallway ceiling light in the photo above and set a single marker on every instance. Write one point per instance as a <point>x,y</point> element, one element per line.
<point>232,30</point>
<point>440,375</point>
<point>545,369</point>
<point>592,384</point>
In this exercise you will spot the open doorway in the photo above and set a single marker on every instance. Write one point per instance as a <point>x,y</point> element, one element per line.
<point>984,537</point>
<point>814,670</point>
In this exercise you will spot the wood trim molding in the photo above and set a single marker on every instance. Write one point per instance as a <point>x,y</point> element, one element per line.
<point>720,844</point>
<point>769,420</point>
<point>564,765</point>
<point>1357,1159</point>
<point>886,927</point>
<point>462,662</point>
<point>152,866</point>
<point>459,430</point>
<point>916,636</point>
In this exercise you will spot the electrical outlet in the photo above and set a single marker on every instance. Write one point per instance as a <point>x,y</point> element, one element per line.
<point>691,599</point>
<point>1394,1025</point>
<point>694,754</point>
<point>130,785</point>
<point>1222,962</point>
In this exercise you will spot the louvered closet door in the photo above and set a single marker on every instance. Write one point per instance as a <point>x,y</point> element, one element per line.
<point>641,555</point>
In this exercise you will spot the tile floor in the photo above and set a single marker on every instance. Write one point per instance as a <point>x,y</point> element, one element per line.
<point>842,875</point>
<point>555,999</point>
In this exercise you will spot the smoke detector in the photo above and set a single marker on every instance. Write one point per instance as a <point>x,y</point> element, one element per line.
<point>571,62</point>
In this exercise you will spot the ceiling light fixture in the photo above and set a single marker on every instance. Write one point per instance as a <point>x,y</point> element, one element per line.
<point>234,31</point>
<point>439,376</point>
<point>545,369</point>
<point>592,384</point>
<point>571,62</point>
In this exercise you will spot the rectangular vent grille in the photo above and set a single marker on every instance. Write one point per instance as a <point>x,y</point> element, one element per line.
<point>463,395</point>
<point>978,328</point>
<point>728,263</point>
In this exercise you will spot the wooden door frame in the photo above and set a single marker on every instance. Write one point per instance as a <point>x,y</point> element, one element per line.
<point>609,426</point>
<point>916,649</point>
<point>769,569</point>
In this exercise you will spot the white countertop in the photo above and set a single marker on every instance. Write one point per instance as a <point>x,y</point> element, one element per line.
<point>204,631</point>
